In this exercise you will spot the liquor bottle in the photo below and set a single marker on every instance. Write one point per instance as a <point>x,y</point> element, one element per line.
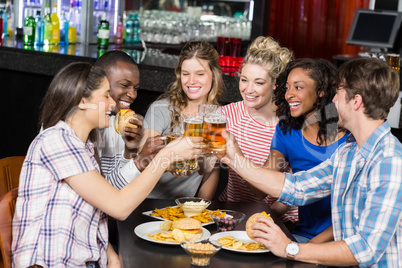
<point>72,26</point>
<point>55,39</point>
<point>64,25</point>
<point>40,29</point>
<point>77,8</point>
<point>103,32</point>
<point>136,29</point>
<point>4,24</point>
<point>119,33</point>
<point>48,26</point>
<point>1,27</point>
<point>29,29</point>
<point>129,29</point>
<point>10,18</point>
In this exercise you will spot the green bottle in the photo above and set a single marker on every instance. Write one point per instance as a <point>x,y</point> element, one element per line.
<point>103,32</point>
<point>48,26</point>
<point>29,29</point>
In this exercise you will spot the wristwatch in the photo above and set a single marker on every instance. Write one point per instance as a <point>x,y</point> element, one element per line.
<point>291,250</point>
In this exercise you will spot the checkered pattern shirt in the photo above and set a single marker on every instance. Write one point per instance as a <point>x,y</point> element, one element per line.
<point>366,188</point>
<point>53,226</point>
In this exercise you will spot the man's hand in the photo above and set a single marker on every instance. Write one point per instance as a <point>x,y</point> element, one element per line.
<point>271,235</point>
<point>151,147</point>
<point>132,136</point>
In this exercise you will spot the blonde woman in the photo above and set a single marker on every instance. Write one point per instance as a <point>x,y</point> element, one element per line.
<point>253,120</point>
<point>198,81</point>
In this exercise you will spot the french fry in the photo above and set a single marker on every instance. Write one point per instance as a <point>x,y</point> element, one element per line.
<point>231,242</point>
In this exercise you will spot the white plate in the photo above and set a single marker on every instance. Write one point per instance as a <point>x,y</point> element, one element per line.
<point>153,227</point>
<point>239,235</point>
<point>148,213</point>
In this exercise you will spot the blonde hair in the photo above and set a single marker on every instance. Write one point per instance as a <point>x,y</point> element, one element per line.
<point>177,97</point>
<point>266,52</point>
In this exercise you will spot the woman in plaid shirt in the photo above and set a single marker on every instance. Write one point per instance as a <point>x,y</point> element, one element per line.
<point>60,218</point>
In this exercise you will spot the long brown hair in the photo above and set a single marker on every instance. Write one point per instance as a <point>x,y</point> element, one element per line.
<point>72,83</point>
<point>177,98</point>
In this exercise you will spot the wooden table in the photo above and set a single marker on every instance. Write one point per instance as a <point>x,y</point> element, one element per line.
<point>136,252</point>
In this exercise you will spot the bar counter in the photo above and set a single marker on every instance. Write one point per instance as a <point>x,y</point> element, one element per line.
<point>25,74</point>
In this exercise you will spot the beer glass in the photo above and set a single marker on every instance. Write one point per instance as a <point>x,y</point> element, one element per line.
<point>193,128</point>
<point>177,168</point>
<point>214,124</point>
<point>393,61</point>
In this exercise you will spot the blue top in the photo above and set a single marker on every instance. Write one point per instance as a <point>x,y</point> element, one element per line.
<point>303,155</point>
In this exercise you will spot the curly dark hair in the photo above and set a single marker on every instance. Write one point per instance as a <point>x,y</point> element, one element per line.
<point>323,73</point>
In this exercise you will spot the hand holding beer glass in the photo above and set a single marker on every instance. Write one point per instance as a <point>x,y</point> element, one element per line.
<point>193,128</point>
<point>214,124</point>
<point>177,168</point>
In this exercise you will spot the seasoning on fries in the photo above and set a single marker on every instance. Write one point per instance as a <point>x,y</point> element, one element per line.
<point>231,242</point>
<point>176,213</point>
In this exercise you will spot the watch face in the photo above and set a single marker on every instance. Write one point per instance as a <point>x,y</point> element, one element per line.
<point>292,248</point>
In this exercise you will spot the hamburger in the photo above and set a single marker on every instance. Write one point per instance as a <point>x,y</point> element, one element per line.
<point>253,220</point>
<point>122,120</point>
<point>191,228</point>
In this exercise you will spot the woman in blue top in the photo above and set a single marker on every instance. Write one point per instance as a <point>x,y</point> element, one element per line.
<point>306,135</point>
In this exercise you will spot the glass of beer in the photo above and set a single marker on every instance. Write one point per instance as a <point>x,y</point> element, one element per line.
<point>178,168</point>
<point>193,128</point>
<point>214,124</point>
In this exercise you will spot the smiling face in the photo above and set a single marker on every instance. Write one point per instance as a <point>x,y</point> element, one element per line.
<point>99,106</point>
<point>301,93</point>
<point>196,79</point>
<point>124,82</point>
<point>256,86</point>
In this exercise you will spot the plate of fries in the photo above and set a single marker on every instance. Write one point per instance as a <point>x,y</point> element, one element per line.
<point>175,213</point>
<point>151,231</point>
<point>238,241</point>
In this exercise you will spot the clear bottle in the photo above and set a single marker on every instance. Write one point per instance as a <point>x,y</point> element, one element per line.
<point>103,32</point>
<point>129,29</point>
<point>72,26</point>
<point>55,39</point>
<point>39,30</point>
<point>136,29</point>
<point>29,29</point>
<point>77,9</point>
<point>48,26</point>
<point>119,32</point>
<point>10,18</point>
<point>64,26</point>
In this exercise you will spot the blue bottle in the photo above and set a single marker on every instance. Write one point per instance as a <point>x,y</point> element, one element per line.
<point>39,30</point>
<point>129,29</point>
<point>5,19</point>
<point>64,25</point>
<point>136,29</point>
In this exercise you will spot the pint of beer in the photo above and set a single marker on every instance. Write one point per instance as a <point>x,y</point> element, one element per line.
<point>178,168</point>
<point>214,143</point>
<point>393,61</point>
<point>193,128</point>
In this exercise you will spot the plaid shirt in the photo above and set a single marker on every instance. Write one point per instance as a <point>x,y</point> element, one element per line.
<point>53,226</point>
<point>366,196</point>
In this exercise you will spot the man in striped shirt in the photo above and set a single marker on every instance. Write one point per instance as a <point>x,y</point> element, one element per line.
<point>363,177</point>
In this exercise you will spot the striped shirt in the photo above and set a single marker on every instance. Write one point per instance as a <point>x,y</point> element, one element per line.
<point>117,170</point>
<point>254,140</point>
<point>366,189</point>
<point>53,226</point>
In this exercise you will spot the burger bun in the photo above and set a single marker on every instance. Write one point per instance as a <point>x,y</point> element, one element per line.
<point>191,228</point>
<point>253,220</point>
<point>123,121</point>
